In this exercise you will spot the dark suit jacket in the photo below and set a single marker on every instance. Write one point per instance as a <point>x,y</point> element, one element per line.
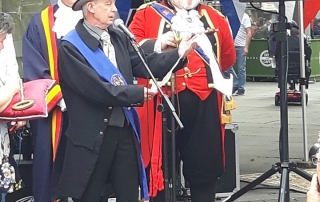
<point>93,103</point>
<point>294,45</point>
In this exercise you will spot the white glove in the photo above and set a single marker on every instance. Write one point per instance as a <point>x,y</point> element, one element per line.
<point>186,45</point>
<point>164,41</point>
<point>62,105</point>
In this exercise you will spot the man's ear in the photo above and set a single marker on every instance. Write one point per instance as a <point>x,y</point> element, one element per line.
<point>90,7</point>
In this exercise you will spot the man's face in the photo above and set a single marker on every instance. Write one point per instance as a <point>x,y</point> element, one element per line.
<point>68,2</point>
<point>254,29</point>
<point>104,12</point>
<point>185,4</point>
<point>2,38</point>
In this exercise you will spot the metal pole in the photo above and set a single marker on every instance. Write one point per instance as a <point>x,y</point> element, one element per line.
<point>303,87</point>
<point>173,143</point>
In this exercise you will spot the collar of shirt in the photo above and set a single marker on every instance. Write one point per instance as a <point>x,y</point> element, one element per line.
<point>94,31</point>
<point>63,6</point>
<point>65,19</point>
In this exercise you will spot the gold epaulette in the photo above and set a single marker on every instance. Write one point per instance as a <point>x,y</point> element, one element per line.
<point>143,6</point>
<point>229,103</point>
<point>226,118</point>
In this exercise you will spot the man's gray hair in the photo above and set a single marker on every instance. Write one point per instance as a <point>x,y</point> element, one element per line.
<point>6,23</point>
<point>84,10</point>
<point>294,31</point>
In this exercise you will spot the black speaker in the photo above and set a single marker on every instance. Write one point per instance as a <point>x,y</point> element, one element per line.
<point>228,181</point>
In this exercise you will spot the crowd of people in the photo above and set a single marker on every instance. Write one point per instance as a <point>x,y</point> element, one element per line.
<point>104,137</point>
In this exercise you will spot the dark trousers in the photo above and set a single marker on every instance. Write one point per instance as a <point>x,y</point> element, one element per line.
<point>117,164</point>
<point>42,159</point>
<point>205,192</point>
<point>199,193</point>
<point>199,144</point>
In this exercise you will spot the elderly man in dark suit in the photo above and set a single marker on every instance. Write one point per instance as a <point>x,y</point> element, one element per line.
<point>96,65</point>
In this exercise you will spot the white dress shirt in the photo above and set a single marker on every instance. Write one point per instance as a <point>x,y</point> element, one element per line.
<point>8,62</point>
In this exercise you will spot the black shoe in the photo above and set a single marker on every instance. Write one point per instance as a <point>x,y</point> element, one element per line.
<point>234,90</point>
<point>240,93</point>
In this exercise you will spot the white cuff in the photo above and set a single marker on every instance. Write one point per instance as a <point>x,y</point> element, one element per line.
<point>62,105</point>
<point>157,46</point>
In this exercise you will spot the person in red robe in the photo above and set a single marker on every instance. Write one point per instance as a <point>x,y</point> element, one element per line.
<point>202,109</point>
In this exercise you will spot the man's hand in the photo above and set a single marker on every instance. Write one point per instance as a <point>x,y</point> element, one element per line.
<point>313,194</point>
<point>17,125</point>
<point>245,51</point>
<point>186,46</point>
<point>167,40</point>
<point>149,93</point>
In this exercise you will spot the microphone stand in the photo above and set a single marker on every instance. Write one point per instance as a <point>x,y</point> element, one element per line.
<point>173,142</point>
<point>164,128</point>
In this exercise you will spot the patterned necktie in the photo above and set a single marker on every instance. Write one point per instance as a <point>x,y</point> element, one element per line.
<point>108,48</point>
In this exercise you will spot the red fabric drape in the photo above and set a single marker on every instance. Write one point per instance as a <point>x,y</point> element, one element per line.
<point>311,8</point>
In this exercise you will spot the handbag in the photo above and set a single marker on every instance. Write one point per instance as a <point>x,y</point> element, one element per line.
<point>35,100</point>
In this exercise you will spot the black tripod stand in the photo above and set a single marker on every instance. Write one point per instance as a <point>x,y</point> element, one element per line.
<point>284,166</point>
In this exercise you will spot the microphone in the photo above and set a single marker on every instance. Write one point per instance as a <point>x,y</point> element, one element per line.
<point>119,24</point>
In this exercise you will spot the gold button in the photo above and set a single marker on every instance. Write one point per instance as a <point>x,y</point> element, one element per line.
<point>110,108</point>
<point>105,120</point>
<point>186,69</point>
<point>168,26</point>
<point>183,84</point>
<point>185,76</point>
<point>129,108</point>
<point>100,133</point>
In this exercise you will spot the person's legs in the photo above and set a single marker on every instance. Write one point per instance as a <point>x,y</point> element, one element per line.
<point>124,174</point>
<point>234,74</point>
<point>98,178</point>
<point>205,192</point>
<point>42,159</point>
<point>200,144</point>
<point>241,60</point>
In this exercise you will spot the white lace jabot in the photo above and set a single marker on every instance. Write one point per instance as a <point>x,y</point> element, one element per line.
<point>66,19</point>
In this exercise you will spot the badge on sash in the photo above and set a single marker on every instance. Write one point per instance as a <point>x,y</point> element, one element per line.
<point>116,80</point>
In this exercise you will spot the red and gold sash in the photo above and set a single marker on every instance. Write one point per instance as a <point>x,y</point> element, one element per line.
<point>47,18</point>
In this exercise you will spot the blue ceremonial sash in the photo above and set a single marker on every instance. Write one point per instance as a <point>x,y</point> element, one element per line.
<point>167,14</point>
<point>106,70</point>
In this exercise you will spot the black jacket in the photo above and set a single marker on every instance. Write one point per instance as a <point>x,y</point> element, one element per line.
<point>93,104</point>
<point>293,45</point>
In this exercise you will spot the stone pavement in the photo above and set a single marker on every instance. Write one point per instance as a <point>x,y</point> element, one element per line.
<point>258,134</point>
